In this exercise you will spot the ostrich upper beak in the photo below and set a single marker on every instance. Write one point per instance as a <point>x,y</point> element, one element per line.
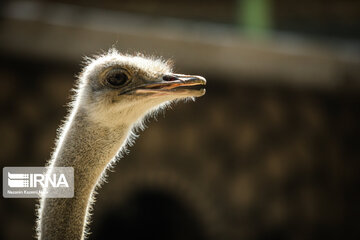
<point>175,84</point>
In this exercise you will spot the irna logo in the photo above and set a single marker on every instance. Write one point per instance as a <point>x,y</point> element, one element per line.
<point>19,180</point>
<point>32,182</point>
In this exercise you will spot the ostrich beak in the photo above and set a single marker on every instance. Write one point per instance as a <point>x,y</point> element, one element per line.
<point>176,84</point>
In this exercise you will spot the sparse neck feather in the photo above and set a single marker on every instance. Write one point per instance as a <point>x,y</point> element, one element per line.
<point>88,148</point>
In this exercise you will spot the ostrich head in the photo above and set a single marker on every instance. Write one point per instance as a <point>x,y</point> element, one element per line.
<point>117,88</point>
<point>114,93</point>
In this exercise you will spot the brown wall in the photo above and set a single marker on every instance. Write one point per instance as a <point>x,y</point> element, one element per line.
<point>243,162</point>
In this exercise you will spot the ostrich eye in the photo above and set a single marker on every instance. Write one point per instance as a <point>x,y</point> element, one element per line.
<point>116,78</point>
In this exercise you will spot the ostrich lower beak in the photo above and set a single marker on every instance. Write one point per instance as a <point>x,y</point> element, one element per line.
<point>176,84</point>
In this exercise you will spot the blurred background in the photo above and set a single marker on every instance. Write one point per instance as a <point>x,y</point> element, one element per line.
<point>270,152</point>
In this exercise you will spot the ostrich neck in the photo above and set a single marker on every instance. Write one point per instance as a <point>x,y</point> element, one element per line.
<point>88,148</point>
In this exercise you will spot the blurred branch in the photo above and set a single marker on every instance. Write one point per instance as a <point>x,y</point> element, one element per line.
<point>67,32</point>
<point>255,16</point>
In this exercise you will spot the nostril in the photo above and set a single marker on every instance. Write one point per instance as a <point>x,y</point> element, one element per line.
<point>169,78</point>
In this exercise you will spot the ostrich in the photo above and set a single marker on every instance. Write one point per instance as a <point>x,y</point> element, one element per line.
<point>113,96</point>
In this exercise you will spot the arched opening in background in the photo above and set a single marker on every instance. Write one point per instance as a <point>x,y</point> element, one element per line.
<point>150,214</point>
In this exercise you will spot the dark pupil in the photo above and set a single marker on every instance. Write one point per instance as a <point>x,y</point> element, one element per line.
<point>117,79</point>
